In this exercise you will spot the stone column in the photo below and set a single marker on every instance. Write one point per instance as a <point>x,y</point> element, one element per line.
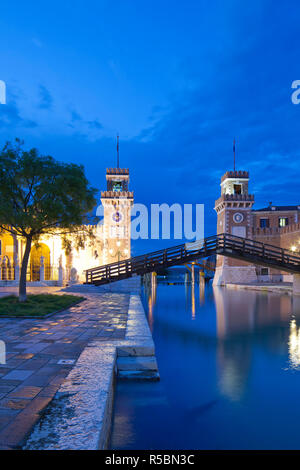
<point>296,284</point>
<point>60,272</point>
<point>42,269</point>
<point>17,268</point>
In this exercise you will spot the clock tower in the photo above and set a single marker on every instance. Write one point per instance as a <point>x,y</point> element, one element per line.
<point>234,211</point>
<point>117,202</point>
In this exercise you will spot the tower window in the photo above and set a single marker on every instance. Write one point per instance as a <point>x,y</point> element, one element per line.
<point>117,186</point>
<point>264,223</point>
<point>237,188</point>
<point>283,221</point>
<point>117,232</point>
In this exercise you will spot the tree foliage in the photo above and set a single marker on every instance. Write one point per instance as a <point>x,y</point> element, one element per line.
<point>39,195</point>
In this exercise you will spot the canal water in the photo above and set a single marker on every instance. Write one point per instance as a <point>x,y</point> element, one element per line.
<point>229,362</point>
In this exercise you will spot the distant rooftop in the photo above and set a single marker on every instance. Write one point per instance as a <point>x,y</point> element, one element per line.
<point>235,174</point>
<point>278,208</point>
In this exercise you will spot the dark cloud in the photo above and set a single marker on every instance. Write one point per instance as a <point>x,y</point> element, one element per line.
<point>83,126</point>
<point>12,120</point>
<point>75,116</point>
<point>94,124</point>
<point>46,100</point>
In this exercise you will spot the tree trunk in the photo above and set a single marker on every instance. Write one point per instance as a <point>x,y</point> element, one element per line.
<point>22,283</point>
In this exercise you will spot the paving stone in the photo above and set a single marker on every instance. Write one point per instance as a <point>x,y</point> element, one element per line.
<point>13,383</point>
<point>7,416</point>
<point>4,371</point>
<point>24,356</point>
<point>37,380</point>
<point>18,428</point>
<point>24,392</point>
<point>14,403</point>
<point>36,348</point>
<point>4,389</point>
<point>18,374</point>
<point>50,390</point>
<point>34,364</point>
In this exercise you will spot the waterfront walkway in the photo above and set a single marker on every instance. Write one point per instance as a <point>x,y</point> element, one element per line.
<point>40,354</point>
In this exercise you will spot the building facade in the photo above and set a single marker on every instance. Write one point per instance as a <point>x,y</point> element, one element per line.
<point>276,225</point>
<point>50,263</point>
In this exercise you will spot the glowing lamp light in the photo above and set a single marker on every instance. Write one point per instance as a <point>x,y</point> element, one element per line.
<point>118,243</point>
<point>126,251</point>
<point>293,248</point>
<point>111,251</point>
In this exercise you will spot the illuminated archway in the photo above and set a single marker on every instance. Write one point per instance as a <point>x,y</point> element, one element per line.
<point>35,261</point>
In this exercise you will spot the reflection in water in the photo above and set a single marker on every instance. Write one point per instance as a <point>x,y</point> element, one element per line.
<point>294,336</point>
<point>244,311</point>
<point>222,355</point>
<point>190,296</point>
<point>201,290</point>
<point>294,345</point>
<point>233,364</point>
<point>193,301</point>
<point>242,315</point>
<point>151,294</point>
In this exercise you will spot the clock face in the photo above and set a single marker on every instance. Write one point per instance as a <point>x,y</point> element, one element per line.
<point>117,216</point>
<point>238,217</point>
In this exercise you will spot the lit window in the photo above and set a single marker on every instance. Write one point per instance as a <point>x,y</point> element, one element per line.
<point>283,221</point>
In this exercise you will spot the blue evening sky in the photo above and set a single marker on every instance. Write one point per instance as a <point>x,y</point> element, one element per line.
<point>177,79</point>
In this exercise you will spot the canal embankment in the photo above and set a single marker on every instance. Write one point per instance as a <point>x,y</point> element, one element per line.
<point>104,337</point>
<point>282,287</point>
<point>80,414</point>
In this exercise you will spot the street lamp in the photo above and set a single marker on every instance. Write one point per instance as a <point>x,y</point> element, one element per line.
<point>118,253</point>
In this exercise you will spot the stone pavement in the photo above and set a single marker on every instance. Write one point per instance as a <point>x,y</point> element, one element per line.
<point>41,353</point>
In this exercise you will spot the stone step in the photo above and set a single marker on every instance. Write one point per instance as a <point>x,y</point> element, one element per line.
<point>133,351</point>
<point>138,375</point>
<point>139,363</point>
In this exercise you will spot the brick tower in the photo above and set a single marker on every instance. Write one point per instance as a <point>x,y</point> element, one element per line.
<point>117,202</point>
<point>234,216</point>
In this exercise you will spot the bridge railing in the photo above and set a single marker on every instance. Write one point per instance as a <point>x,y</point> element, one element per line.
<point>225,244</point>
<point>258,248</point>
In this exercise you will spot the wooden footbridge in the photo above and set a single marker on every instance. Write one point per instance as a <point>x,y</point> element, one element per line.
<point>244,249</point>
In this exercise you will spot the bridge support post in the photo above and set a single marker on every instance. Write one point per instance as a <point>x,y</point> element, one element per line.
<point>226,274</point>
<point>296,284</point>
<point>193,273</point>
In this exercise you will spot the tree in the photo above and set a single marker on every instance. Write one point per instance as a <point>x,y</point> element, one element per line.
<point>39,195</point>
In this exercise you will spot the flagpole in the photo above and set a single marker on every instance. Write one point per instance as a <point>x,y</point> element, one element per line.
<point>118,151</point>
<point>234,154</point>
